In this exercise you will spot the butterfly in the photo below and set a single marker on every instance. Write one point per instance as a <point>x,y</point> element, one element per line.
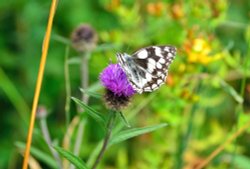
<point>147,68</point>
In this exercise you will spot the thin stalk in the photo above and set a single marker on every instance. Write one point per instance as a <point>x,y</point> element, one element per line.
<point>238,131</point>
<point>222,147</point>
<point>85,75</point>
<point>14,96</point>
<point>85,98</point>
<point>110,125</point>
<point>47,138</point>
<point>240,109</point>
<point>67,86</point>
<point>67,138</point>
<point>39,83</point>
<point>186,137</point>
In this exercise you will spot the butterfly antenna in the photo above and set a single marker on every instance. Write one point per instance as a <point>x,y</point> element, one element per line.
<point>128,48</point>
<point>110,61</point>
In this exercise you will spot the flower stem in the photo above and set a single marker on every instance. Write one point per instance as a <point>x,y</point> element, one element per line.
<point>85,75</point>
<point>47,138</point>
<point>85,98</point>
<point>39,82</point>
<point>67,86</point>
<point>222,146</point>
<point>185,138</point>
<point>110,125</point>
<point>240,108</point>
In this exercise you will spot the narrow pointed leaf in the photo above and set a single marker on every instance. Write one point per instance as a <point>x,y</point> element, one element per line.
<point>94,87</point>
<point>40,155</point>
<point>93,113</point>
<point>134,111</point>
<point>90,93</point>
<point>104,47</point>
<point>230,90</point>
<point>61,39</point>
<point>76,161</point>
<point>74,60</point>
<point>130,133</point>
<point>124,120</point>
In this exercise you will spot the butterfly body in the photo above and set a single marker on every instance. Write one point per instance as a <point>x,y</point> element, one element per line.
<point>147,68</point>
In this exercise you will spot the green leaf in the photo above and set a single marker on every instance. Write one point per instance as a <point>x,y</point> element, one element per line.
<point>15,97</point>
<point>94,87</point>
<point>40,155</point>
<point>90,93</point>
<point>74,60</point>
<point>124,120</point>
<point>93,113</point>
<point>239,161</point>
<point>94,154</point>
<point>130,133</point>
<point>134,111</point>
<point>61,39</point>
<point>105,47</point>
<point>131,113</point>
<point>229,89</point>
<point>76,161</point>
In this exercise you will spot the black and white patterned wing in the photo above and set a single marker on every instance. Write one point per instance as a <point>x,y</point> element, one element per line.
<point>135,74</point>
<point>155,61</point>
<point>147,69</point>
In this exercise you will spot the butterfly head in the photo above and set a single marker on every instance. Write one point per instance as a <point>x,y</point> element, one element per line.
<point>123,57</point>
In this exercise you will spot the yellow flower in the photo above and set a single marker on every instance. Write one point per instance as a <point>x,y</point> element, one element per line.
<point>200,52</point>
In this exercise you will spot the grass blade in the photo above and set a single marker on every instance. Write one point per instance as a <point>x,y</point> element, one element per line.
<point>124,120</point>
<point>76,161</point>
<point>90,93</point>
<point>93,113</point>
<point>40,155</point>
<point>130,133</point>
<point>230,90</point>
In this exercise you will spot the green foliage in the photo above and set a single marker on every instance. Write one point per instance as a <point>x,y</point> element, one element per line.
<point>130,133</point>
<point>94,114</point>
<point>76,161</point>
<point>40,155</point>
<point>206,98</point>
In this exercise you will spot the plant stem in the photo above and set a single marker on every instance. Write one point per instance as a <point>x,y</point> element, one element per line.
<point>47,138</point>
<point>85,98</point>
<point>240,109</point>
<point>110,125</point>
<point>67,86</point>
<point>222,146</point>
<point>186,137</point>
<point>85,75</point>
<point>39,82</point>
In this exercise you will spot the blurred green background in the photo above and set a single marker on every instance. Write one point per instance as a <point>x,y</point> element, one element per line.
<point>206,97</point>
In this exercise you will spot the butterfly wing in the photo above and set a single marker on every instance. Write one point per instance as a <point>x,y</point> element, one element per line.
<point>134,73</point>
<point>155,60</point>
<point>147,68</point>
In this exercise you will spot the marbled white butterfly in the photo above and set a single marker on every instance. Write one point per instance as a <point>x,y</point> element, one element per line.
<point>147,68</point>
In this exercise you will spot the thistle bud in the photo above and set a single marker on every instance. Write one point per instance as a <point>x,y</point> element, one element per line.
<point>84,38</point>
<point>41,112</point>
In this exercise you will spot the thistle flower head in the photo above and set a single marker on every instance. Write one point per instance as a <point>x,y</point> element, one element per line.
<point>115,80</point>
<point>118,88</point>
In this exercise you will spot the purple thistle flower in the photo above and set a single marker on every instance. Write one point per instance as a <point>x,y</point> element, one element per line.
<point>115,80</point>
<point>118,88</point>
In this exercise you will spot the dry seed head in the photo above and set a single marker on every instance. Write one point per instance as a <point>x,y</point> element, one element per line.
<point>84,38</point>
